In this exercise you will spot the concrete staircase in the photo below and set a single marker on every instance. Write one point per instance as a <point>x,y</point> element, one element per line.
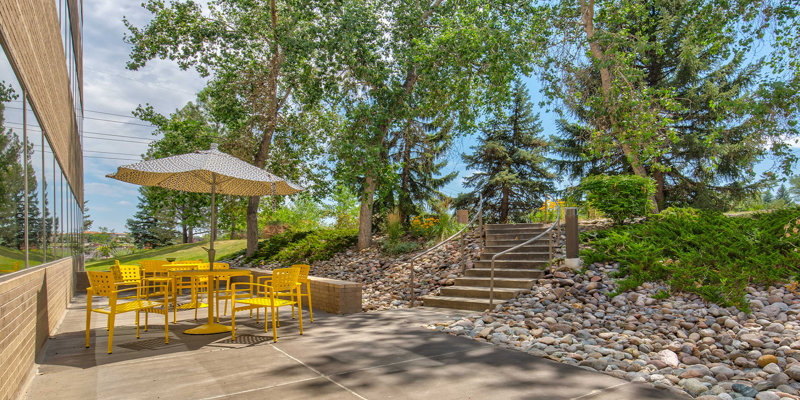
<point>514,272</point>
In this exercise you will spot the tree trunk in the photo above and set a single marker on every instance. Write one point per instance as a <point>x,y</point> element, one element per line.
<point>252,225</point>
<point>184,233</point>
<point>659,195</point>
<point>404,202</point>
<point>365,214</point>
<point>504,206</point>
<point>191,234</point>
<point>587,18</point>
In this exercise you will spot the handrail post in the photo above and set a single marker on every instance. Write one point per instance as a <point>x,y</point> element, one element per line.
<point>491,286</point>
<point>463,253</point>
<point>411,283</point>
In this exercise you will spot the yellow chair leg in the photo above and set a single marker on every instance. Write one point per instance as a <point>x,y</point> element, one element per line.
<point>300,313</point>
<point>137,324</point>
<point>146,321</point>
<point>233,323</point>
<point>308,295</point>
<point>88,318</point>
<point>110,331</point>
<point>274,326</point>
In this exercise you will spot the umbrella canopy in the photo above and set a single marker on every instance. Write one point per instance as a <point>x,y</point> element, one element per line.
<point>206,171</point>
<point>196,172</point>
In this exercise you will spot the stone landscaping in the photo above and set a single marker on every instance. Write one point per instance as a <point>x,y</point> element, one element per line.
<point>384,278</point>
<point>683,342</point>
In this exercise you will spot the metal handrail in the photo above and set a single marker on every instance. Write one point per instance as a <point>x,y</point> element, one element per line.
<point>494,257</point>
<point>478,214</point>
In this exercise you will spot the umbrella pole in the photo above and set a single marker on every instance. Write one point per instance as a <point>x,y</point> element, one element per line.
<point>211,327</point>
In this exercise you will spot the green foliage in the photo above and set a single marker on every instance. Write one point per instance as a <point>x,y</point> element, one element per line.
<point>319,245</point>
<point>394,227</point>
<point>302,214</point>
<point>398,247</point>
<point>701,251</point>
<point>343,207</point>
<point>509,159</point>
<point>618,196</point>
<point>269,248</point>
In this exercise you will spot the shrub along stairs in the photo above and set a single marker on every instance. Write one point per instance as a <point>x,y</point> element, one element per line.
<point>513,273</point>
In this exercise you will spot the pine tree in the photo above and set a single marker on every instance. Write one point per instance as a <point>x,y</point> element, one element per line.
<point>783,194</point>
<point>703,154</point>
<point>512,176</point>
<point>151,227</point>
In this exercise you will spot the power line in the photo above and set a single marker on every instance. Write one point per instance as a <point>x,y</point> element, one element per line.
<point>36,129</point>
<point>102,119</point>
<point>107,158</point>
<point>98,151</point>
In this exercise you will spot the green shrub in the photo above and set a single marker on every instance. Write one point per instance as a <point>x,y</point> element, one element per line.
<point>702,252</point>
<point>394,227</point>
<point>268,248</point>
<point>619,196</point>
<point>394,248</point>
<point>319,245</point>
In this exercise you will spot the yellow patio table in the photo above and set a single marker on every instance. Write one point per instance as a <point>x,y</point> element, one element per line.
<point>211,327</point>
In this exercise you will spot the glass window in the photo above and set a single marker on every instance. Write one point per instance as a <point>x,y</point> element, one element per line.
<point>36,191</point>
<point>12,174</point>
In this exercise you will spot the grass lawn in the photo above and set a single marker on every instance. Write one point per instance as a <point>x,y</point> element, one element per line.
<point>188,251</point>
<point>9,256</point>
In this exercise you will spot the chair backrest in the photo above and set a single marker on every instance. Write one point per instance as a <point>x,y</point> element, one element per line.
<point>217,266</point>
<point>284,279</point>
<point>126,273</point>
<point>182,268</point>
<point>302,277</point>
<point>101,282</point>
<point>152,264</point>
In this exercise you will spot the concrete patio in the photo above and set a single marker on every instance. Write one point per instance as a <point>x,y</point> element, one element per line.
<point>375,355</point>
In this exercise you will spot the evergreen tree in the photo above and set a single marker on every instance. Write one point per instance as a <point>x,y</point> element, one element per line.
<point>512,176</point>
<point>151,227</point>
<point>421,146</point>
<point>768,197</point>
<point>783,194</point>
<point>683,97</point>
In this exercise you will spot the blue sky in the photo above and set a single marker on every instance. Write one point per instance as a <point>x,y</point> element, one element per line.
<point>111,92</point>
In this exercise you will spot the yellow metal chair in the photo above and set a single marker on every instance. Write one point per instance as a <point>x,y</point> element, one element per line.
<point>103,284</point>
<point>265,296</point>
<point>181,283</point>
<point>302,279</point>
<point>15,269</point>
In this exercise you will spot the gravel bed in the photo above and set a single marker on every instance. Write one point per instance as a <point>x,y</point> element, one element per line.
<point>710,352</point>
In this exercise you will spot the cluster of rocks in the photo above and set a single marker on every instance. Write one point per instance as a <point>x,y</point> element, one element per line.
<point>683,342</point>
<point>385,279</point>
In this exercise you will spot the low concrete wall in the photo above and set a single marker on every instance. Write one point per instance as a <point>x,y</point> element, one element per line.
<point>329,295</point>
<point>33,302</point>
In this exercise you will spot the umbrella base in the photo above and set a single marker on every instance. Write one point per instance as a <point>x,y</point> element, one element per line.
<point>208,329</point>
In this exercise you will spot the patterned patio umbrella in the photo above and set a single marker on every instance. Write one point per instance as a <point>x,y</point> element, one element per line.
<point>206,171</point>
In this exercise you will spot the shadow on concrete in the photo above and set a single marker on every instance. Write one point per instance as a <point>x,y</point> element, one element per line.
<point>368,355</point>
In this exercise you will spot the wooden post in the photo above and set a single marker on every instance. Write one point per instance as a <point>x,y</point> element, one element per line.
<point>572,228</point>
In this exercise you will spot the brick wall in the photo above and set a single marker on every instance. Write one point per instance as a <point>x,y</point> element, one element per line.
<point>32,304</point>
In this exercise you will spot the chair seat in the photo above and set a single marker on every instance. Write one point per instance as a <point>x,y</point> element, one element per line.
<point>131,306</point>
<point>265,302</point>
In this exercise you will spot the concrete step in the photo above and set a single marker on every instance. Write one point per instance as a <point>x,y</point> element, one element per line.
<point>504,273</point>
<point>501,227</point>
<point>458,303</point>
<point>513,264</point>
<point>512,236</point>
<point>535,247</point>
<point>515,283</point>
<point>517,256</point>
<point>478,292</point>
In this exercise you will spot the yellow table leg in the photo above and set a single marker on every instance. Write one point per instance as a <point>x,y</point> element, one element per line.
<point>210,327</point>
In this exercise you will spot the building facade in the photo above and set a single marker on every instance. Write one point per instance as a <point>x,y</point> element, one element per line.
<point>41,104</point>
<point>41,178</point>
